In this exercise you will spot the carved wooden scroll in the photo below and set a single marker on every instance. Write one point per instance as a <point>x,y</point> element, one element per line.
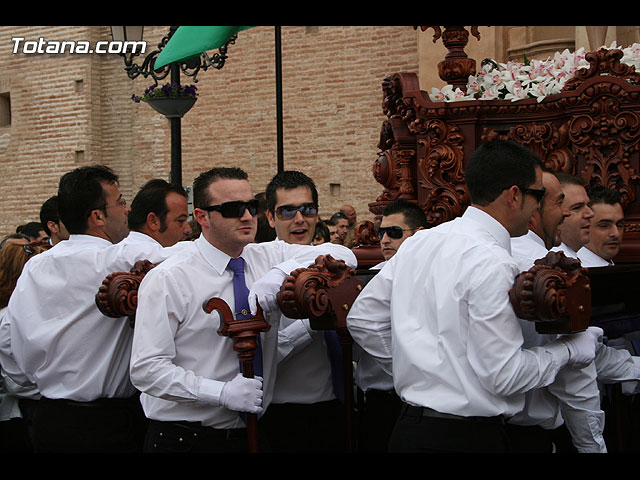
<point>118,295</point>
<point>590,129</point>
<point>322,292</point>
<point>555,293</point>
<point>244,333</point>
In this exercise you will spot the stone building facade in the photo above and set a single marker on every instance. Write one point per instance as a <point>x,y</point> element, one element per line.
<point>62,110</point>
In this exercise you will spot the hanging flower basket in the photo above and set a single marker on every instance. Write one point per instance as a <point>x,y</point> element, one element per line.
<point>171,100</point>
<point>171,107</point>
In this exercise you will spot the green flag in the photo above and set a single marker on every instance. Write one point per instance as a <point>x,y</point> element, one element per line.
<point>189,42</point>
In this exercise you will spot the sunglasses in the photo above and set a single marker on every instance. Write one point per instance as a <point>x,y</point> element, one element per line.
<point>287,212</point>
<point>234,209</point>
<point>394,232</point>
<point>537,193</point>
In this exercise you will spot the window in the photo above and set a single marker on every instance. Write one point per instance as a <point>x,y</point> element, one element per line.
<point>5,109</point>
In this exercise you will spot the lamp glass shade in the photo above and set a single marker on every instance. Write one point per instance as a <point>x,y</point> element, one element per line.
<point>127,34</point>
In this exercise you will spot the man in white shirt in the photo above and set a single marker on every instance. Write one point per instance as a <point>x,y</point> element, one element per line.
<point>576,228</point>
<point>456,348</point>
<point>192,390</point>
<point>51,223</point>
<point>575,391</point>
<point>158,222</point>
<point>606,228</point>
<point>305,414</point>
<point>381,405</point>
<point>60,342</point>
<point>573,398</point>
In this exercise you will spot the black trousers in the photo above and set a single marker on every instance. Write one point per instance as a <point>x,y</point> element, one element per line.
<point>379,412</point>
<point>309,428</point>
<point>191,437</point>
<point>102,426</point>
<point>423,430</point>
<point>529,439</point>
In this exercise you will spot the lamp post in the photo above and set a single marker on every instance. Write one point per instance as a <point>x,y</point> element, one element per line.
<point>132,37</point>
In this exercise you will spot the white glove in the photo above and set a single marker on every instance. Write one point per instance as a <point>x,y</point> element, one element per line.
<point>264,291</point>
<point>582,345</point>
<point>242,394</point>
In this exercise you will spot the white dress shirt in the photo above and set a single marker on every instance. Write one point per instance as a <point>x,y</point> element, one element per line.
<point>589,259</point>
<point>179,361</point>
<point>369,374</point>
<point>8,403</point>
<point>573,397</point>
<point>456,343</point>
<point>566,249</point>
<point>304,369</point>
<point>54,335</point>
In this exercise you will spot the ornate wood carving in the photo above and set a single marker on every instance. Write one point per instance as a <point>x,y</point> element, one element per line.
<point>322,292</point>
<point>456,66</point>
<point>118,295</point>
<point>555,293</point>
<point>244,333</point>
<point>365,234</point>
<point>590,129</point>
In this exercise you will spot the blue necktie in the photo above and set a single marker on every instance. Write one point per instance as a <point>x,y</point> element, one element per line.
<point>241,295</point>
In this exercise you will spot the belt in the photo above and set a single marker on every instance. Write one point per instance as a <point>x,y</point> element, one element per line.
<point>412,411</point>
<point>197,429</point>
<point>98,403</point>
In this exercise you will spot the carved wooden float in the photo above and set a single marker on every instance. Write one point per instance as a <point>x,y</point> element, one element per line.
<point>555,293</point>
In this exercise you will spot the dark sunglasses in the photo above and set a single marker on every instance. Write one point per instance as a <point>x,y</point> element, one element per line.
<point>29,250</point>
<point>287,212</point>
<point>394,232</point>
<point>537,193</point>
<point>235,209</point>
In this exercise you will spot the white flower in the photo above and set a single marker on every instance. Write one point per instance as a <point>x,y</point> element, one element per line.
<point>537,79</point>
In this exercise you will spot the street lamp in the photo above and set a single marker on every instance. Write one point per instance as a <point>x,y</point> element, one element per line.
<point>189,67</point>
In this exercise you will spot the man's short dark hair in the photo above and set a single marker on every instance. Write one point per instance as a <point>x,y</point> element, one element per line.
<point>498,165</point>
<point>600,194</point>
<point>49,213</point>
<point>152,197</point>
<point>80,192</point>
<point>202,182</point>
<point>568,179</point>
<point>31,230</point>
<point>414,216</point>
<point>335,217</point>
<point>287,180</point>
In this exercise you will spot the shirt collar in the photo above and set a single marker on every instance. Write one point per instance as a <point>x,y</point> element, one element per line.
<point>567,250</point>
<point>141,237</point>
<point>589,258</point>
<point>493,227</point>
<point>533,236</point>
<point>214,257</point>
<point>88,239</point>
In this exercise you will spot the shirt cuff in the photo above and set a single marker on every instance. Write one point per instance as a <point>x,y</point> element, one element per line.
<point>559,351</point>
<point>210,391</point>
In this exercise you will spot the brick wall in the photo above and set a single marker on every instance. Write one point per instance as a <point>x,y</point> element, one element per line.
<point>73,109</point>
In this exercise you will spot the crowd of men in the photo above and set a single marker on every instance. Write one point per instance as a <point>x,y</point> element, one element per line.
<point>442,363</point>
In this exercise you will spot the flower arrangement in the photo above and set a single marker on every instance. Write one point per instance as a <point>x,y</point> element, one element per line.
<point>531,79</point>
<point>168,90</point>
